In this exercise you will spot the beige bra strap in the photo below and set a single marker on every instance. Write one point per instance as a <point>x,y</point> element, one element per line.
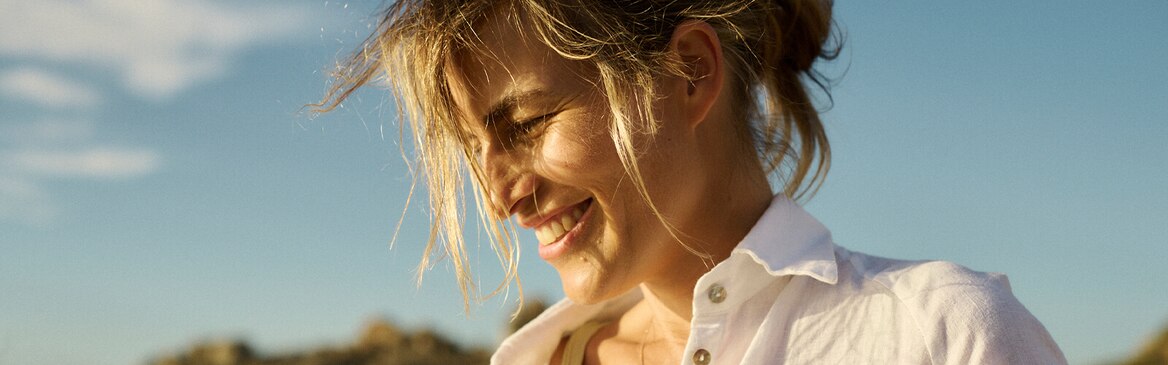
<point>578,342</point>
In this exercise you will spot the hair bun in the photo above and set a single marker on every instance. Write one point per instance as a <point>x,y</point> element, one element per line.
<point>805,26</point>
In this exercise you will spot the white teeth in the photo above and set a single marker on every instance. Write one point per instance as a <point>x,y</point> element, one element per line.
<point>542,236</point>
<point>556,228</point>
<point>567,221</point>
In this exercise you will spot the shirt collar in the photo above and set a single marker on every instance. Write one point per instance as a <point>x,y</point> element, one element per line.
<point>789,241</point>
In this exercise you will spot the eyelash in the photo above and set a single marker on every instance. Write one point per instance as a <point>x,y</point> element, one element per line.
<point>528,123</point>
<point>522,128</point>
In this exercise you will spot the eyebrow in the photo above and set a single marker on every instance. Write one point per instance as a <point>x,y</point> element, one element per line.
<point>510,101</point>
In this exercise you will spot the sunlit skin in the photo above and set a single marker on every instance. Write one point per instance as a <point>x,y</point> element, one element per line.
<point>542,134</point>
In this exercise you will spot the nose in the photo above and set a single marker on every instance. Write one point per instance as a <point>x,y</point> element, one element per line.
<point>509,182</point>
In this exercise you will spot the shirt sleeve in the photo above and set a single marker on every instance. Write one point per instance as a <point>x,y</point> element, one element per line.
<point>974,318</point>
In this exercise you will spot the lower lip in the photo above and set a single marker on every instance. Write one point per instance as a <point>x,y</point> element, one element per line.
<point>556,249</point>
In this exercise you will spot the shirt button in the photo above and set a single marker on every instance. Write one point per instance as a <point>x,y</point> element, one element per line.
<point>717,293</point>
<point>701,357</point>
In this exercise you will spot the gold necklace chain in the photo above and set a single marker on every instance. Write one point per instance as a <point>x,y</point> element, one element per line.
<point>645,339</point>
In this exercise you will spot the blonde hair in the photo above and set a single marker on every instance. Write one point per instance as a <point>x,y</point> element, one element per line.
<point>771,47</point>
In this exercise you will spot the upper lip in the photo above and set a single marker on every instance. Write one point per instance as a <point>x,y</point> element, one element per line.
<point>539,217</point>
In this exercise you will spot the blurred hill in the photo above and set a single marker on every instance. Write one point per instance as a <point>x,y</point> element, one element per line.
<point>380,343</point>
<point>1154,352</point>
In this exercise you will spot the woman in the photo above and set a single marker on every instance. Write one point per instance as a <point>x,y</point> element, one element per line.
<point>636,139</point>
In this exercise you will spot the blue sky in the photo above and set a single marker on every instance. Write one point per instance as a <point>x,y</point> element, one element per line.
<point>160,185</point>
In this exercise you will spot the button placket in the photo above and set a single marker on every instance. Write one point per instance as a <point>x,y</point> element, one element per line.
<point>706,334</point>
<point>716,294</point>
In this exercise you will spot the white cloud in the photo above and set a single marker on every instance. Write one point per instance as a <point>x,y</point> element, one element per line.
<point>34,154</point>
<point>155,48</point>
<point>158,47</point>
<point>45,88</point>
<point>47,132</point>
<point>99,162</point>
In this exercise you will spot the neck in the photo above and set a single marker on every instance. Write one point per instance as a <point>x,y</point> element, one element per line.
<point>731,209</point>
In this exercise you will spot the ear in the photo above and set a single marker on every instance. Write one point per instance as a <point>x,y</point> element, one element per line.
<point>695,43</point>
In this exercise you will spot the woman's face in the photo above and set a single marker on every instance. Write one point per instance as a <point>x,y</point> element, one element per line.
<point>542,134</point>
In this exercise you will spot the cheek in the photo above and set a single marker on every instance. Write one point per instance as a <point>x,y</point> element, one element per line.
<point>575,153</point>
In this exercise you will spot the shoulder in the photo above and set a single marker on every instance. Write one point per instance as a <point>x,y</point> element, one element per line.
<point>910,280</point>
<point>964,316</point>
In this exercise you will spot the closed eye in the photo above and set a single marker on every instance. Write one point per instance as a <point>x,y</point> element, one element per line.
<point>528,124</point>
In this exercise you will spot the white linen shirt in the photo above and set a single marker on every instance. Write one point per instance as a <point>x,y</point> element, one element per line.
<point>788,295</point>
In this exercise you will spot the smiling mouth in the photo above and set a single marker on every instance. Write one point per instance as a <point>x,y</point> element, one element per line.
<point>555,228</point>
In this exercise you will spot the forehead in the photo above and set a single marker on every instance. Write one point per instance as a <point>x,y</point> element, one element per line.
<point>506,61</point>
